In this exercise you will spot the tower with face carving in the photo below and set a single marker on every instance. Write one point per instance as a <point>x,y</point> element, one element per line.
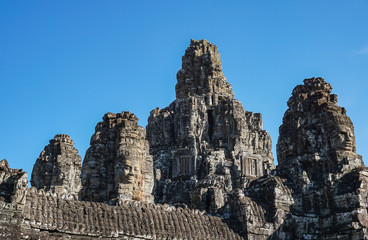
<point>117,165</point>
<point>317,156</point>
<point>316,137</point>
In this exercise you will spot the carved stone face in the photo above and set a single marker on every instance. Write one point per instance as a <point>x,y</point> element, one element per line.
<point>128,173</point>
<point>343,138</point>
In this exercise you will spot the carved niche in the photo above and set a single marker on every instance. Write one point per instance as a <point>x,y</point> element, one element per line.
<point>185,165</point>
<point>250,166</point>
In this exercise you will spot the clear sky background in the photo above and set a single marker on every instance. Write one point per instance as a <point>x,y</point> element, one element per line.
<point>64,64</point>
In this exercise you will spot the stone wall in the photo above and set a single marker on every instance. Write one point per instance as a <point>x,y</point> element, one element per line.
<point>130,219</point>
<point>46,215</point>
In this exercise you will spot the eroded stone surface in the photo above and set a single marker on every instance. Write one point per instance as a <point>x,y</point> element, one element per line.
<point>210,154</point>
<point>58,167</point>
<point>316,133</point>
<point>262,207</point>
<point>205,144</point>
<point>320,187</point>
<point>118,164</point>
<point>317,157</point>
<point>47,215</point>
<point>13,183</point>
<point>13,190</point>
<point>128,220</point>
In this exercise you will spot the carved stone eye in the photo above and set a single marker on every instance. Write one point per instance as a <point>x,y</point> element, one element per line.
<point>342,137</point>
<point>127,169</point>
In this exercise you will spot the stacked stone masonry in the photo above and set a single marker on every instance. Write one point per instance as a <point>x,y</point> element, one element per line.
<point>204,170</point>
<point>317,157</point>
<point>58,167</point>
<point>46,215</point>
<point>118,164</point>
<point>204,144</point>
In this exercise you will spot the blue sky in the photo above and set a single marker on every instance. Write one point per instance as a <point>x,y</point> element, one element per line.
<point>64,64</point>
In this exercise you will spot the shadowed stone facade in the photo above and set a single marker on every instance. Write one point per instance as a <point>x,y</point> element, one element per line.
<point>317,155</point>
<point>205,144</point>
<point>320,187</point>
<point>316,133</point>
<point>118,164</point>
<point>13,182</point>
<point>58,167</point>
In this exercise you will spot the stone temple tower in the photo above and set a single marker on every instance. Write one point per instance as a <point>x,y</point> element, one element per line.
<point>204,144</point>
<point>320,189</point>
<point>58,167</point>
<point>117,165</point>
<point>317,156</point>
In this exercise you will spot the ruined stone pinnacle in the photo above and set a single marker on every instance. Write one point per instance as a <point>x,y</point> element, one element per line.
<point>58,167</point>
<point>201,73</point>
<point>316,129</point>
<point>205,144</point>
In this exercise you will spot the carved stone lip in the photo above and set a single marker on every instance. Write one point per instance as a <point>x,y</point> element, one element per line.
<point>345,148</point>
<point>130,177</point>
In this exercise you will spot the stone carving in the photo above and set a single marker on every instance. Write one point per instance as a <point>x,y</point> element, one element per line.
<point>205,144</point>
<point>48,215</point>
<point>13,183</point>
<point>320,187</point>
<point>316,133</point>
<point>260,209</point>
<point>317,157</point>
<point>58,167</point>
<point>128,220</point>
<point>118,164</point>
<point>209,154</point>
<point>13,190</point>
